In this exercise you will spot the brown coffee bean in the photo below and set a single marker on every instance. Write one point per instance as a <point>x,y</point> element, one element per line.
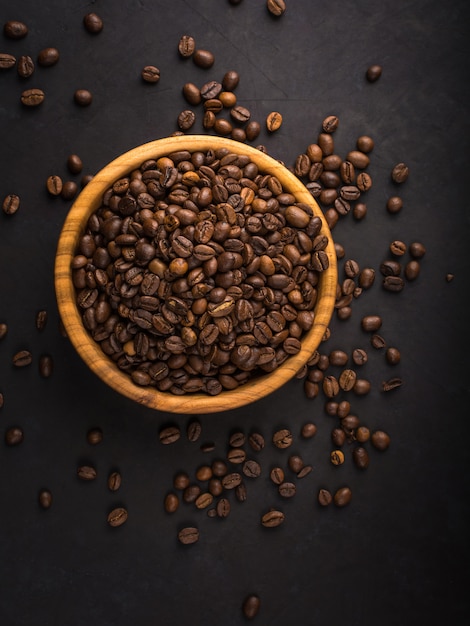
<point>83,97</point>
<point>361,387</point>
<point>251,606</point>
<point>41,320</point>
<point>373,73</point>
<point>251,468</point>
<point>342,496</point>
<point>330,386</point>
<point>93,23</point>
<point>377,342</point>
<point>114,481</point>
<point>287,490</point>
<point>236,456</point>
<point>32,97</point>
<point>194,430</point>
<point>54,185</point>
<point>7,61</point>
<point>14,29</point>
<point>308,430</point>
<point>94,436</point>
<point>45,499</point>
<point>277,475</point>
<point>337,457</point>
<point>361,457</point>
<point>48,57</point>
<point>11,204</point>
<point>391,384</point>
<point>24,66</point>
<point>295,463</point>
<point>338,437</point>
<point>398,248</point>
<point>400,173</point>
<point>191,493</point>
<point>204,500</point>
<point>362,434</point>
<point>169,434</point>
<point>232,480</point>
<point>412,270</point>
<point>86,472</point>
<point>371,323</point>
<point>417,250</point>
<point>171,502</point>
<point>273,121</point>
<point>394,204</point>
<point>276,7</point>
<point>3,330</point>
<point>365,143</point>
<point>186,119</point>
<point>393,283</point>
<point>324,497</point>
<point>22,358</point>
<point>69,190</point>
<point>223,508</point>
<point>150,74</point>
<point>203,58</point>
<point>272,518</point>
<point>256,441</point>
<point>188,535</point>
<point>282,438</point>
<point>117,517</point>
<point>380,440</point>
<point>14,436</point>
<point>45,365</point>
<point>392,356</point>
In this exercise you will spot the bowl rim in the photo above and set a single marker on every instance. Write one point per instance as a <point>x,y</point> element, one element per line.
<point>90,351</point>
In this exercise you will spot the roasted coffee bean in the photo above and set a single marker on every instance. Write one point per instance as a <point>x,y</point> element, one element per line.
<point>54,185</point>
<point>230,80</point>
<point>276,7</point>
<point>273,121</point>
<point>417,250</point>
<point>256,441</point>
<point>309,430</point>
<point>251,468</point>
<point>338,357</point>
<point>204,500</point>
<point>306,469</point>
<point>283,438</point>
<point>361,457</point>
<point>3,330</point>
<point>14,29</point>
<point>400,173</point>
<point>150,74</point>
<point>392,356</point>
<point>114,481</point>
<point>253,129</point>
<point>373,73</point>
<point>412,270</point>
<point>251,604</point>
<point>211,89</point>
<point>377,342</point>
<point>342,496</point>
<point>219,468</point>
<point>287,490</point>
<point>7,61</point>
<point>117,517</point>
<point>362,434</point>
<point>277,475</point>
<point>186,46</point>
<point>32,97</point>
<point>22,358</point>
<point>203,58</point>
<point>45,499</point>
<point>232,480</point>
<point>359,210</point>
<point>361,387</point>
<point>45,365</point>
<point>94,436</point>
<point>169,434</point>
<point>390,268</point>
<point>295,463</point>
<point>240,114</point>
<point>272,518</point>
<point>237,439</point>
<point>69,190</point>
<point>194,430</point>
<point>324,497</point>
<point>11,204</point>
<point>74,164</point>
<point>83,97</point>
<point>393,283</point>
<point>391,384</point>
<point>380,440</point>
<point>330,124</point>
<point>171,502</point>
<point>394,204</point>
<point>365,143</point>
<point>181,480</point>
<point>86,472</point>
<point>236,456</point>
<point>93,23</point>
<point>330,386</point>
<point>228,99</point>
<point>347,379</point>
<point>186,119</point>
<point>337,457</point>
<point>371,323</point>
<point>191,493</point>
<point>223,508</point>
<point>338,437</point>
<point>398,248</point>
<point>24,66</point>
<point>48,57</point>
<point>14,436</point>
<point>204,473</point>
<point>188,535</point>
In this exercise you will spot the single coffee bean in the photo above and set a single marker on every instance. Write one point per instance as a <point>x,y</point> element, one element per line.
<point>251,468</point>
<point>400,173</point>
<point>361,457</point>
<point>359,159</point>
<point>204,500</point>
<point>22,358</point>
<point>236,455</point>
<point>362,434</point>
<point>117,517</point>
<point>394,204</point>
<point>14,436</point>
<point>219,468</point>
<point>277,475</point>
<point>48,57</point>
<point>14,29</point>
<point>449,277</point>
<point>188,535</point>
<point>373,73</point>
<point>256,441</point>
<point>45,499</point>
<point>86,472</point>
<point>251,606</point>
<point>391,384</point>
<point>25,66</point>
<point>337,457</point>
<point>361,387</point>
<point>377,342</point>
<point>171,502</point>
<point>7,61</point>
<point>380,440</point>
<point>371,323</point>
<point>393,283</point>
<point>230,80</point>
<point>74,164</point>
<point>273,121</point>
<point>114,481</point>
<point>392,356</point>
<point>83,97</point>
<point>365,143</point>
<point>237,439</point>
<point>169,434</point>
<point>203,58</point>
<point>276,7</point>
<point>324,497</point>
<point>2,400</point>
<point>272,519</point>
<point>330,124</point>
<point>69,190</point>
<point>412,270</point>
<point>186,119</point>
<point>390,268</point>
<point>93,23</point>
<point>223,507</point>
<point>232,480</point>
<point>45,365</point>
<point>309,430</point>
<point>11,204</point>
<point>150,74</point>
<point>41,320</point>
<point>398,248</point>
<point>194,430</point>
<point>360,210</point>
<point>295,463</point>
<point>342,496</point>
<point>338,437</point>
<point>253,129</point>
<point>204,473</point>
<point>186,46</point>
<point>417,250</point>
<point>364,181</point>
<point>287,490</point>
<point>282,438</point>
<point>94,436</point>
<point>3,330</point>
<point>32,97</point>
<point>330,386</point>
<point>306,469</point>
<point>54,185</point>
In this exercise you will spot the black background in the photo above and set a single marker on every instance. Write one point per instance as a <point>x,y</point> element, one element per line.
<point>398,554</point>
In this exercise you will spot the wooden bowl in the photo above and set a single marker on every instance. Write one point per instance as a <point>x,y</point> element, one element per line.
<point>90,351</point>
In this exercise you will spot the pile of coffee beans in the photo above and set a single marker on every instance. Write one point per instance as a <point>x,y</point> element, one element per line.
<point>198,271</point>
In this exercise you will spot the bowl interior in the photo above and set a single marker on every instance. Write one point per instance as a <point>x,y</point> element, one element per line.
<point>90,351</point>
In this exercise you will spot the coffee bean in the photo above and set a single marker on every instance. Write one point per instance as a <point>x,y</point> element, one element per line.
<point>371,323</point>
<point>25,66</point>
<point>309,430</point>
<point>114,481</point>
<point>32,97</point>
<point>362,434</point>
<point>295,463</point>
<point>11,204</point>
<point>394,204</point>
<point>337,457</point>
<point>393,283</point>
<point>287,490</point>
<point>171,502</point>
<point>417,250</point>
<point>22,358</point>
<point>398,248</point>
<point>14,29</point>
<point>93,23</point>
<point>330,124</point>
<point>252,130</point>
<point>86,472</point>
<point>276,7</point>
<point>186,46</point>
<point>188,535</point>
<point>150,74</point>
<point>186,119</point>
<point>204,500</point>
<point>41,320</point>
<point>45,365</point>
<point>14,436</point>
<point>392,356</point>
<point>380,440</point>
<point>236,455</point>
<point>359,210</point>
<point>74,164</point>
<point>169,434</point>
<point>69,190</point>
<point>400,173</point>
<point>342,496</point>
<point>7,61</point>
<point>283,438</point>
<point>83,97</point>
<point>232,480</point>
<point>117,517</point>
<point>3,330</point>
<point>237,439</point>
<point>273,121</point>
<point>194,430</point>
<point>45,499</point>
<point>54,185</point>
<point>365,143</point>
<point>256,441</point>
<point>306,469</point>
<point>48,57</point>
<point>223,508</point>
<point>272,518</point>
<point>377,342</point>
<point>338,437</point>
<point>94,436</point>
<point>251,468</point>
<point>412,270</point>
<point>324,497</point>
<point>361,387</point>
<point>251,606</point>
<point>203,58</point>
<point>361,457</point>
<point>391,384</point>
<point>277,475</point>
<point>373,73</point>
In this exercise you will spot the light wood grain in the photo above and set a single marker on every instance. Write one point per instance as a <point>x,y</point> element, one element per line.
<point>90,199</point>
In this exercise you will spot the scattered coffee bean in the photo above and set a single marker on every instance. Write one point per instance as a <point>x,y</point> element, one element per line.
<point>449,277</point>
<point>7,61</point>
<point>203,58</point>
<point>114,481</point>
<point>32,97</point>
<point>186,119</point>
<point>188,535</point>
<point>93,23</point>
<point>277,475</point>
<point>371,323</point>
<point>236,456</point>
<point>256,441</point>
<point>338,437</point>
<point>194,430</point>
<point>393,283</point>
<point>391,384</point>
<point>150,74</point>
<point>392,356</point>
<point>86,472</point>
<point>22,358</point>
<point>272,518</point>
<point>251,606</point>
<point>417,250</point>
<point>83,97</point>
<point>412,270</point>
<point>45,365</point>
<point>324,497</point>
<point>54,185</point>
<point>361,457</point>
<point>117,517</point>
<point>25,66</point>
<point>394,204</point>
<point>342,496</point>
<point>94,436</point>
<point>41,320</point>
<point>204,473</point>
<point>169,434</point>
<point>283,438</point>
<point>3,330</point>
<point>48,57</point>
<point>45,499</point>
<point>14,29</point>
<point>251,468</point>
<point>232,480</point>
<point>287,490</point>
<point>181,480</point>
<point>204,500</point>
<point>380,440</point>
<point>295,463</point>
<point>276,7</point>
<point>400,173</point>
<point>74,164</point>
<point>69,190</point>
<point>186,46</point>
<point>337,457</point>
<point>398,248</point>
<point>362,434</point>
<point>171,502</point>
<point>361,387</point>
<point>309,430</point>
<point>223,508</point>
<point>273,121</point>
<point>14,436</point>
<point>306,469</point>
<point>377,342</point>
<point>11,204</point>
<point>373,73</point>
